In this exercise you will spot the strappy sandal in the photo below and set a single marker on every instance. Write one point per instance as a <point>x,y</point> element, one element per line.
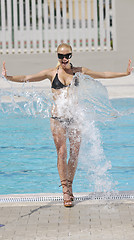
<point>67,203</point>
<point>71,194</point>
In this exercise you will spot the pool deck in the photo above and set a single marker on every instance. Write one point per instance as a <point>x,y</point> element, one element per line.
<point>88,219</point>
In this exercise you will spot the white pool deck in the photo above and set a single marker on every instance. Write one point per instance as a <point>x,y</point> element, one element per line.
<point>89,219</point>
<point>42,217</point>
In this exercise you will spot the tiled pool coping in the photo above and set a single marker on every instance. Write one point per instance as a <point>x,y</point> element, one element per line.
<point>57,197</point>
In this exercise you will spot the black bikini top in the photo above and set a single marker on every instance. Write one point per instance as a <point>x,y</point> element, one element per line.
<point>57,84</point>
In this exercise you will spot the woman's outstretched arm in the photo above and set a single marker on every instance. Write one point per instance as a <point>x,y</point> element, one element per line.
<point>45,74</point>
<point>94,74</point>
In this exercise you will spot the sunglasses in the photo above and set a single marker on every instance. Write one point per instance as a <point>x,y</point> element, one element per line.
<point>67,56</point>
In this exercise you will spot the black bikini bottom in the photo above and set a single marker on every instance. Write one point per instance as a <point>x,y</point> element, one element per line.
<point>66,121</point>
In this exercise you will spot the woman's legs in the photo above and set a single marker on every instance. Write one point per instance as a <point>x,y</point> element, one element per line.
<point>66,171</point>
<point>59,136</point>
<point>75,141</point>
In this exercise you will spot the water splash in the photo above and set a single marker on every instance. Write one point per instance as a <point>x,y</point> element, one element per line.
<point>26,100</point>
<point>91,96</point>
<point>86,101</point>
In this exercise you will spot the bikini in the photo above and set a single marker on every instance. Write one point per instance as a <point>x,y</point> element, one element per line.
<point>57,84</point>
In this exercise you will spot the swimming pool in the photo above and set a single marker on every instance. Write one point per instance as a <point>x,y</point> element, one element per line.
<point>28,156</point>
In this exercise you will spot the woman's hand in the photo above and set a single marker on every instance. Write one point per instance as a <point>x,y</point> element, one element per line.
<point>4,71</point>
<point>129,68</point>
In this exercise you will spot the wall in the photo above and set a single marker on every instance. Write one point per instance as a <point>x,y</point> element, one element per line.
<point>125,27</point>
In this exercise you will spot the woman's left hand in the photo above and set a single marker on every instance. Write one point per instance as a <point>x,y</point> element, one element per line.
<point>4,71</point>
<point>129,68</point>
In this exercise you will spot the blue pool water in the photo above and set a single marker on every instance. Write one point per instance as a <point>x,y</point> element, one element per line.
<point>28,156</point>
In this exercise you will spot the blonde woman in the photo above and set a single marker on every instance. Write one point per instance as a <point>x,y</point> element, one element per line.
<point>62,124</point>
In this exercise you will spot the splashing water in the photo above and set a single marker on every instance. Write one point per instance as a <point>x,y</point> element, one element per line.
<point>86,101</point>
<point>25,100</point>
<point>94,106</point>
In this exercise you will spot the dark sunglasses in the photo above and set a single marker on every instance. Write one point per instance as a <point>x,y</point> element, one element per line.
<point>67,56</point>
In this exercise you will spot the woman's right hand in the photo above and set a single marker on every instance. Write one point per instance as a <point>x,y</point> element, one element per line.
<point>4,71</point>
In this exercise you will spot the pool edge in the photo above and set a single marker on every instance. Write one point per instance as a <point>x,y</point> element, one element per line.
<point>57,197</point>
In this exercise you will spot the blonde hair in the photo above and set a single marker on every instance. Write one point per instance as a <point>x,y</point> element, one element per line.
<point>64,45</point>
<point>61,46</point>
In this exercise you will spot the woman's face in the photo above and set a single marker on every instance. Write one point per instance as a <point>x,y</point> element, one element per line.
<point>64,55</point>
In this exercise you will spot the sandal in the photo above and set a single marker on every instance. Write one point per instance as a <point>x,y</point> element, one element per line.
<point>67,203</point>
<point>71,194</point>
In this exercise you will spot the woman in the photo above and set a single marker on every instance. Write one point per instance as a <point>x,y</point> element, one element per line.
<point>64,125</point>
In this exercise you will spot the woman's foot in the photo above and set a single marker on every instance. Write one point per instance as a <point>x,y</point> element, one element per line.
<point>66,194</point>
<point>67,199</point>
